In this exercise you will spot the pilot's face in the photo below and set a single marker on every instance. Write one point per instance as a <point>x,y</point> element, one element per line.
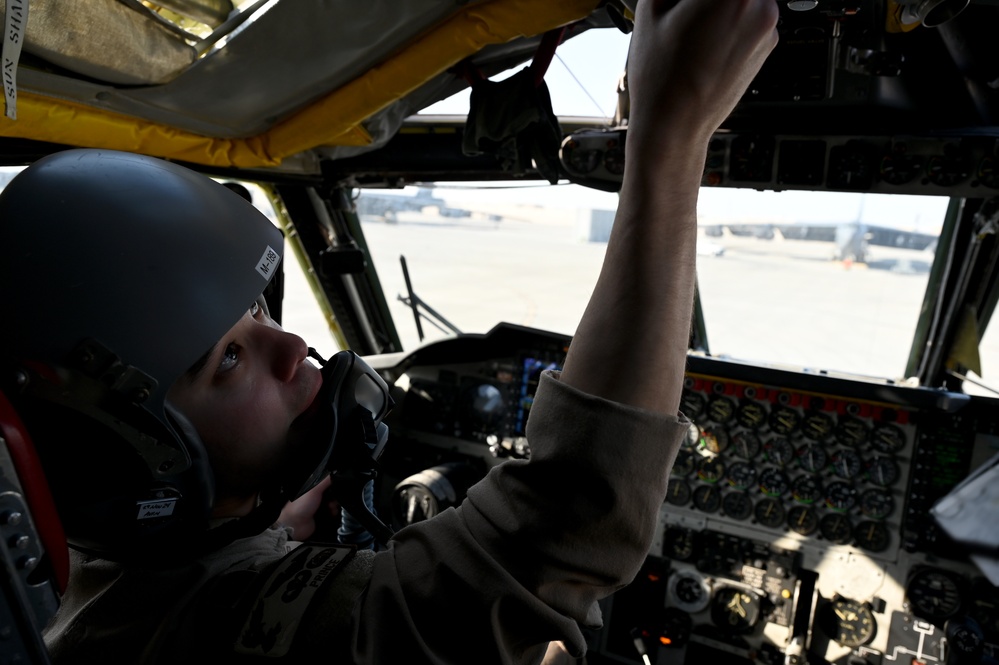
<point>242,398</point>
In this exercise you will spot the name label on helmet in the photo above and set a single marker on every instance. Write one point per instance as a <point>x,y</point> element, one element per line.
<point>268,262</point>
<point>152,509</point>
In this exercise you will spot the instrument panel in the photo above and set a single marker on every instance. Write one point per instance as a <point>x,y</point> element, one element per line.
<point>796,527</point>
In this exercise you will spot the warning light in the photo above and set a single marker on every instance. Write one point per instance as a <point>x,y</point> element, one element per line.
<point>665,640</point>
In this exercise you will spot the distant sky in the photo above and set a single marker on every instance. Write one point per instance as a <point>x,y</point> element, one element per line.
<point>596,58</point>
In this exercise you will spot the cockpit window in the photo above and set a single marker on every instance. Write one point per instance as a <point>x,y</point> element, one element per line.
<point>824,281</point>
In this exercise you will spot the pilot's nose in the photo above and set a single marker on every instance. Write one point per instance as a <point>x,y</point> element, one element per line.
<point>287,351</point>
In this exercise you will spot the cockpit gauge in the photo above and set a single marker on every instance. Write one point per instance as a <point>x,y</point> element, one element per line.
<point>714,439</point>
<point>579,159</point>
<point>948,169</point>
<point>774,482</point>
<point>882,471</point>
<point>693,437</point>
<point>872,536</point>
<point>707,498</point>
<point>965,640</point>
<point>846,463</point>
<point>840,496</point>
<point>779,451</point>
<point>851,432</point>
<point>836,528</point>
<point>784,420</point>
<point>684,464</point>
<point>711,469</point>
<point>817,426</point>
<point>751,415</point>
<point>742,475</point>
<point>934,594</point>
<point>614,160</point>
<point>737,505</point>
<point>876,504</point>
<point>769,513</point>
<point>688,591</point>
<point>720,409</point>
<point>888,439</point>
<point>735,610</point>
<point>899,168</point>
<point>806,489</point>
<point>812,457</point>
<point>678,491</point>
<point>803,520</point>
<point>988,173</point>
<point>848,622</point>
<point>679,544</point>
<point>692,404</point>
<point>746,445</point>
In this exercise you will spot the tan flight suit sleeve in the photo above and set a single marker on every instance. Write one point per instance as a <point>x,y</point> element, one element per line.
<point>533,547</point>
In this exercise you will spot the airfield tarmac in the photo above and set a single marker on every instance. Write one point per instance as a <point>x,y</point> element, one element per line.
<point>779,302</point>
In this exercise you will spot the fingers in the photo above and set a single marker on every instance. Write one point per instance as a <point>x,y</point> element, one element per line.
<point>691,61</point>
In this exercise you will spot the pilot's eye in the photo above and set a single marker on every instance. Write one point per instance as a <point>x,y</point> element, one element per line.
<point>229,358</point>
<point>254,309</point>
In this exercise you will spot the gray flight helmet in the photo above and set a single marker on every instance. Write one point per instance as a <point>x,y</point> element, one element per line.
<point>122,271</point>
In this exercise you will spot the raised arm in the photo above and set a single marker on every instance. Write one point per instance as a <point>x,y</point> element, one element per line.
<point>688,67</point>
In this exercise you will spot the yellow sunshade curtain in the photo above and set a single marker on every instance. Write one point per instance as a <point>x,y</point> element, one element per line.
<point>333,120</point>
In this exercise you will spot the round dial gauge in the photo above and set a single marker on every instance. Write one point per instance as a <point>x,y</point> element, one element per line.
<point>803,520</point>
<point>846,463</point>
<point>735,610</point>
<point>888,439</point>
<point>836,528</point>
<point>876,504</point>
<point>872,536</point>
<point>711,469</point>
<point>779,451</point>
<point>745,445</point>
<point>882,471</point>
<point>817,426</point>
<point>784,420</point>
<point>678,491</point>
<point>714,439</point>
<point>751,415</point>
<point>812,457</point>
<point>841,496</point>
<point>707,498</point>
<point>578,160</point>
<point>934,594</point>
<point>692,404</point>
<point>899,168</point>
<point>693,437</point>
<point>806,489</point>
<point>737,505</point>
<point>614,160</point>
<point>848,622</point>
<point>679,544</point>
<point>688,590</point>
<point>770,513</point>
<point>851,432</point>
<point>774,482</point>
<point>720,409</point>
<point>742,475</point>
<point>683,464</point>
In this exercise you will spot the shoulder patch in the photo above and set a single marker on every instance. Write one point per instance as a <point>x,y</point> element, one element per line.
<point>276,613</point>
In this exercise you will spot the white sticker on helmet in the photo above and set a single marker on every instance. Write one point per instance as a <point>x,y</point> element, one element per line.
<point>151,509</point>
<point>268,262</point>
